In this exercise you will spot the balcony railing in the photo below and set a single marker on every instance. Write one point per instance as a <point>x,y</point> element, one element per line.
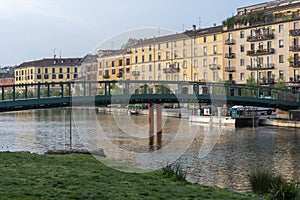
<point>229,41</point>
<point>120,75</point>
<point>230,55</point>
<point>136,73</point>
<point>260,37</point>
<point>214,67</point>
<point>295,32</point>
<point>229,69</point>
<point>295,79</point>
<point>170,70</point>
<point>260,52</point>
<point>267,80</point>
<point>295,64</point>
<point>261,67</point>
<point>295,48</point>
<point>106,76</point>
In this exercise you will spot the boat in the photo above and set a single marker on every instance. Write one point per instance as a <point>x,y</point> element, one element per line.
<point>134,109</point>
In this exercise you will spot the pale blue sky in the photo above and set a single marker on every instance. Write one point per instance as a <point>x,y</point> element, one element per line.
<point>32,29</point>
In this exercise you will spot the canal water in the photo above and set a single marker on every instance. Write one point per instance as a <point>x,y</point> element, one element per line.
<point>211,155</point>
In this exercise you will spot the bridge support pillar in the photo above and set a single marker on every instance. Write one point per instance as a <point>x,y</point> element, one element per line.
<point>151,126</point>
<point>159,126</point>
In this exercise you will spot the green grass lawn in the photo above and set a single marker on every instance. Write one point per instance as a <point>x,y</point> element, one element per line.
<point>80,176</point>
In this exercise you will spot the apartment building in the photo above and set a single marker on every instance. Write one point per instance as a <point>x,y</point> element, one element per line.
<point>47,70</point>
<point>260,42</point>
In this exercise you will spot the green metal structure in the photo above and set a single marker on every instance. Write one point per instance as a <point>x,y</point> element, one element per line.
<point>77,93</point>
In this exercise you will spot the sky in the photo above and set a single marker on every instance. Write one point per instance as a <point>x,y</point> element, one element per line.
<point>36,29</point>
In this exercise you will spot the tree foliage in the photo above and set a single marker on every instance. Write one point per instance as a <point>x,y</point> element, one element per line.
<point>131,42</point>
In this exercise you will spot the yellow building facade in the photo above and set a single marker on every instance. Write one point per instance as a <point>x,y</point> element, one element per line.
<point>47,71</point>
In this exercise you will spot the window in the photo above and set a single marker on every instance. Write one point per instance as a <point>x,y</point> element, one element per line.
<point>184,53</point>
<point>143,68</point>
<point>39,76</point>
<point>120,62</point>
<point>215,37</point>
<point>143,58</point>
<point>184,77</point>
<point>60,70</point>
<point>183,41</point>
<point>204,62</point>
<point>281,59</point>
<point>184,64</point>
<point>60,76</point>
<point>143,50</point>
<point>281,74</point>
<point>175,54</point>
<point>53,76</point>
<point>280,43</point>
<point>167,55</point>
<point>53,70</point>
<point>242,48</point>
<point>205,76</point>
<point>136,59</point>
<point>204,51</point>
<point>242,34</point>
<point>215,49</point>
<point>127,70</point>
<point>195,63</point>
<point>150,68</point>
<point>296,25</point>
<point>112,63</point>
<point>150,48</point>
<point>75,70</point>
<point>128,61</point>
<point>195,76</point>
<point>204,39</point>
<point>242,76</point>
<point>215,76</point>
<point>215,61</point>
<point>195,41</point>
<point>68,70</point>
<point>113,71</point>
<point>150,57</point>
<point>159,56</point>
<point>46,70</point>
<point>167,44</point>
<point>195,51</point>
<point>280,28</point>
<point>158,46</point>
<point>68,76</point>
<point>175,45</point>
<point>159,67</point>
<point>242,62</point>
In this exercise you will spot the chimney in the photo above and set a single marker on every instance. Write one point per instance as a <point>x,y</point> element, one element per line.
<point>194,27</point>
<point>215,24</point>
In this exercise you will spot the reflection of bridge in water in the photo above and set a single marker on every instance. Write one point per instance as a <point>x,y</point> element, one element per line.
<point>63,94</point>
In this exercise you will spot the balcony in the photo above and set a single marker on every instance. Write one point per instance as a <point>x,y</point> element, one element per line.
<point>229,69</point>
<point>295,48</point>
<point>229,41</point>
<point>295,32</point>
<point>261,67</point>
<point>265,80</point>
<point>260,52</point>
<point>295,64</point>
<point>136,73</point>
<point>106,76</point>
<point>214,67</point>
<point>120,75</point>
<point>260,37</point>
<point>230,55</point>
<point>170,70</point>
<point>295,79</point>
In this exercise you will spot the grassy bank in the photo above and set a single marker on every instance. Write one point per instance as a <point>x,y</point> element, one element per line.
<point>78,176</point>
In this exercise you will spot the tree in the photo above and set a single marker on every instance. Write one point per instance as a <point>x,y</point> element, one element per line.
<point>131,42</point>
<point>280,84</point>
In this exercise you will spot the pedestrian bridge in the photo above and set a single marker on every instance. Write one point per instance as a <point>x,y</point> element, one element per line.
<point>90,93</point>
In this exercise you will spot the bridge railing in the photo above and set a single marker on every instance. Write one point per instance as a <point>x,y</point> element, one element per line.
<point>95,88</point>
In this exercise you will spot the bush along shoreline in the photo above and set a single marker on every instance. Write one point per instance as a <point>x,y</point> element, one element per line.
<point>274,186</point>
<point>82,176</point>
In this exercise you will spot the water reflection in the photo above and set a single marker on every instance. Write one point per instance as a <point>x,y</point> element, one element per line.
<point>236,153</point>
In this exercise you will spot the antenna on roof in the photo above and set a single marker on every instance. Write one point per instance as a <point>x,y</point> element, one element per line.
<point>60,54</point>
<point>159,31</point>
<point>199,22</point>
<point>54,55</point>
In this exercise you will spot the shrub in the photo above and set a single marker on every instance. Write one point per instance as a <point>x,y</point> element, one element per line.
<point>285,191</point>
<point>174,171</point>
<point>262,181</point>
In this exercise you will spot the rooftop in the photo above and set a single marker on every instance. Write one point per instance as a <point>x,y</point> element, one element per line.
<point>46,62</point>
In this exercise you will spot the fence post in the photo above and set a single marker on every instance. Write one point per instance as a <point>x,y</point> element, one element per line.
<point>3,92</point>
<point>39,90</point>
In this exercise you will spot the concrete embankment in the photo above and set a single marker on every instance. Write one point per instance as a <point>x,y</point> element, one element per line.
<point>279,122</point>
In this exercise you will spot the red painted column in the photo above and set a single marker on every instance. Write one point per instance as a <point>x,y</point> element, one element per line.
<point>159,126</point>
<point>151,126</point>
